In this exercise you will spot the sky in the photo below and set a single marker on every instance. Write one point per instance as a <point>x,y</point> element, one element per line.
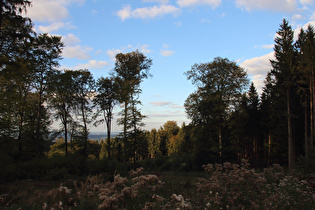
<point>175,34</point>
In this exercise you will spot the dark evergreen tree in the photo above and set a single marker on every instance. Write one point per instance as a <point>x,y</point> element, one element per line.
<point>284,68</point>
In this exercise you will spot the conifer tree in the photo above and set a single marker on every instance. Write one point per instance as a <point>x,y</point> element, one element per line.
<point>284,69</point>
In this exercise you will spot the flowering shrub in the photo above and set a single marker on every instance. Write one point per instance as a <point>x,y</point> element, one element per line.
<point>123,192</point>
<point>236,186</point>
<point>222,186</point>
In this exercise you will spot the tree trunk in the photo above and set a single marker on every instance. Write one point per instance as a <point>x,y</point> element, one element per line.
<point>125,132</point>
<point>20,133</point>
<point>85,128</point>
<point>1,14</point>
<point>108,125</point>
<point>290,137</point>
<point>38,147</point>
<point>220,144</point>
<point>65,124</point>
<point>312,107</point>
<point>306,136</point>
<point>269,147</point>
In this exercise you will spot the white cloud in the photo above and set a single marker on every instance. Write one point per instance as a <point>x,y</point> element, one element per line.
<point>305,26</point>
<point>93,64</point>
<point>268,46</point>
<point>158,1</point>
<point>176,106</point>
<point>54,27</point>
<point>257,68</point>
<point>161,103</point>
<point>278,5</point>
<point>187,3</point>
<point>258,65</point>
<point>296,17</point>
<point>125,12</point>
<point>47,11</point>
<point>166,52</point>
<point>142,48</point>
<point>307,2</point>
<point>77,51</point>
<point>146,12</point>
<point>171,115</point>
<point>70,39</point>
<point>112,53</point>
<point>50,11</point>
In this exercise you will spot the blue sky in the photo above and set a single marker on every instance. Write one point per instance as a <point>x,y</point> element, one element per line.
<point>175,34</point>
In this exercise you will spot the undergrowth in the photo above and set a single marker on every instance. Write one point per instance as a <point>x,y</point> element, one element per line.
<point>220,186</point>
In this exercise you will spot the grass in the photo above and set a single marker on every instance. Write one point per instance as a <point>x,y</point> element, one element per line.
<point>226,186</point>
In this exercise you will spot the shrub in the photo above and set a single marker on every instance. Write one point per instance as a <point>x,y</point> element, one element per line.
<point>236,186</point>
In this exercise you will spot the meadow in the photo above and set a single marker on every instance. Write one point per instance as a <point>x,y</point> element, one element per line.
<point>218,186</point>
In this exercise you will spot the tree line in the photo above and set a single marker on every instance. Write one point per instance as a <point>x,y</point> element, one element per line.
<point>229,120</point>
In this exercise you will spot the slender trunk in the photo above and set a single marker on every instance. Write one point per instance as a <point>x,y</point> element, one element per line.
<point>311,112</point>
<point>21,121</point>
<point>269,147</point>
<point>134,130</point>
<point>125,132</point>
<point>255,151</point>
<point>38,147</point>
<point>290,137</point>
<point>1,14</point>
<point>85,128</point>
<point>21,113</point>
<point>306,137</point>
<point>66,137</point>
<point>312,108</point>
<point>220,144</point>
<point>65,124</point>
<point>108,125</point>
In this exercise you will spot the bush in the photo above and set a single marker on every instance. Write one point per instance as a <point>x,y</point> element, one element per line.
<point>307,166</point>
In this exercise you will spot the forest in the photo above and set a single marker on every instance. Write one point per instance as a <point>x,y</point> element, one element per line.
<point>230,121</point>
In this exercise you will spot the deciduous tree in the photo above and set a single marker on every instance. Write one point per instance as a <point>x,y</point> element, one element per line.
<point>130,70</point>
<point>220,84</point>
<point>105,100</point>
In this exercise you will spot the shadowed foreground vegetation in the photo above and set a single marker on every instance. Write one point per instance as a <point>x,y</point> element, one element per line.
<point>219,186</point>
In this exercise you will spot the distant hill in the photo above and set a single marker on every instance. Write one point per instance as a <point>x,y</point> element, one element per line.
<point>101,135</point>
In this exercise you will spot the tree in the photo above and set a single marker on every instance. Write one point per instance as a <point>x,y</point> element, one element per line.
<point>171,129</point>
<point>253,123</point>
<point>105,100</point>
<point>12,8</point>
<point>83,92</point>
<point>284,69</point>
<point>306,69</point>
<point>62,99</point>
<point>15,31</point>
<point>130,70</point>
<point>46,54</point>
<point>17,83</point>
<point>220,84</point>
<point>153,145</point>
